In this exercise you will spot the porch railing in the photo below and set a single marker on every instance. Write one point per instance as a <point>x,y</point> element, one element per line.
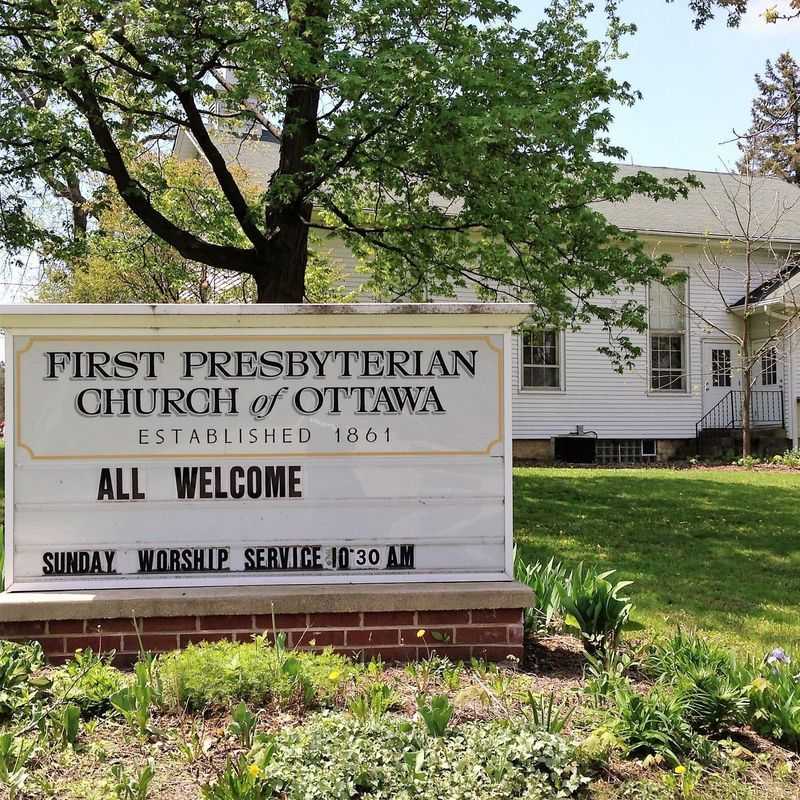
<point>766,408</point>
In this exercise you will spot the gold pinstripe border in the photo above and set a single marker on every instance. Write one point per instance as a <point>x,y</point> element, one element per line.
<point>301,453</point>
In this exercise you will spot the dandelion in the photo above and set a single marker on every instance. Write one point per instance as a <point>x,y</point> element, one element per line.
<point>680,769</point>
<point>254,770</point>
<point>335,675</point>
<point>420,633</point>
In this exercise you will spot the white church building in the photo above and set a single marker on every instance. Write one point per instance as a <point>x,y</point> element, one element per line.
<point>684,394</point>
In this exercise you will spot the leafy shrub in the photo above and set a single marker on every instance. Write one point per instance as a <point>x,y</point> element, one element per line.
<point>595,605</point>
<point>652,723</point>
<point>548,582</point>
<point>791,458</point>
<point>775,703</point>
<point>88,682</point>
<point>335,756</point>
<point>220,673</point>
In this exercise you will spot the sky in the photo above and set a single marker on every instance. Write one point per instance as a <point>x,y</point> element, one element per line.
<point>697,85</point>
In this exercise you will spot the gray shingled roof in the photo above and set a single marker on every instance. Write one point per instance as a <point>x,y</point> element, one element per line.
<point>707,212</point>
<point>710,212</point>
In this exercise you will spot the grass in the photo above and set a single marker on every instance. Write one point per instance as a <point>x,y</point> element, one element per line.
<point>718,550</point>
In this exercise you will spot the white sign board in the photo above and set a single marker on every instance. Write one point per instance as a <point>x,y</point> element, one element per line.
<point>241,447</point>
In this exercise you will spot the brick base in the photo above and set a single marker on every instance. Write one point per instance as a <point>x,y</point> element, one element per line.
<point>492,634</point>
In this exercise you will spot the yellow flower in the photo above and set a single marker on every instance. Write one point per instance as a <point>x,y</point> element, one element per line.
<point>254,770</point>
<point>335,675</point>
<point>680,769</point>
<point>312,643</point>
<point>420,633</point>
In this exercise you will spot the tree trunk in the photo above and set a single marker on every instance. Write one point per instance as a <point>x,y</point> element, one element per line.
<point>281,276</point>
<point>747,394</point>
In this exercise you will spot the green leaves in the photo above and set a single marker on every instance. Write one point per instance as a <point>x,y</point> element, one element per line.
<point>436,713</point>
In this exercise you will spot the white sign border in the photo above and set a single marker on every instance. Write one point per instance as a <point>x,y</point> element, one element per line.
<point>10,435</point>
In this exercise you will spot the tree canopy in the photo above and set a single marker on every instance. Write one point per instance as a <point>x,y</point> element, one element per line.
<point>772,145</point>
<point>705,10</point>
<point>446,145</point>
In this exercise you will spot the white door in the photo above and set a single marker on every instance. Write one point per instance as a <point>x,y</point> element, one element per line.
<point>720,373</point>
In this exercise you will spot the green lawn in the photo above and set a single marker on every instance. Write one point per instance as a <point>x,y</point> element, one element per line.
<point>718,550</point>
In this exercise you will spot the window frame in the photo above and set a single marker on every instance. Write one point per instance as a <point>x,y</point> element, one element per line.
<point>685,389</point>
<point>560,350</point>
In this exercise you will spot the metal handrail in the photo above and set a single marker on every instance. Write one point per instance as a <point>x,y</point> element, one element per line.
<point>766,406</point>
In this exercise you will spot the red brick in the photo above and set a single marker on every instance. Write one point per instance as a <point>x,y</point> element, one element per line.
<point>151,642</point>
<point>227,622</point>
<point>498,653</point>
<point>442,618</point>
<point>516,634</point>
<point>512,616</point>
<point>433,637</point>
<point>343,620</point>
<point>123,625</point>
<point>196,638</point>
<point>100,644</point>
<point>476,635</point>
<point>363,637</point>
<point>319,638</point>
<point>164,624</point>
<point>377,619</point>
<point>264,622</point>
<point>31,629</point>
<point>65,626</point>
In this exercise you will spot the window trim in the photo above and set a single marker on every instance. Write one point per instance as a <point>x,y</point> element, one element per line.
<point>685,344</point>
<point>561,349</point>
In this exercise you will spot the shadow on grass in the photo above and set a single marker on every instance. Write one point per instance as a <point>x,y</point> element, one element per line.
<point>720,551</point>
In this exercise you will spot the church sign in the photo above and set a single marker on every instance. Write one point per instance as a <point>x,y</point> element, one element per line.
<point>207,445</point>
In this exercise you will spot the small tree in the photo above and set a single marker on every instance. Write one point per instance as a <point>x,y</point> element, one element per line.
<point>772,145</point>
<point>763,266</point>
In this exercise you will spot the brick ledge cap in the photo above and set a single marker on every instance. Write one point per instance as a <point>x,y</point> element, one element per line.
<point>168,602</point>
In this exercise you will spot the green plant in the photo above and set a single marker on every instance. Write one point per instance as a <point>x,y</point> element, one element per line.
<point>683,780</point>
<point>595,605</point>
<point>712,702</point>
<point>791,458</point>
<point>88,681</point>
<point>774,695</point>
<point>548,582</point>
<point>605,673</point>
<point>127,786</point>
<point>545,714</point>
<point>17,664</point>
<point>134,701</point>
<point>372,702</point>
<point>652,723</point>
<point>66,723</point>
<point>436,713</point>
<point>335,756</point>
<point>669,658</point>
<point>243,725</point>
<point>255,672</point>
<point>14,755</point>
<point>243,777</point>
